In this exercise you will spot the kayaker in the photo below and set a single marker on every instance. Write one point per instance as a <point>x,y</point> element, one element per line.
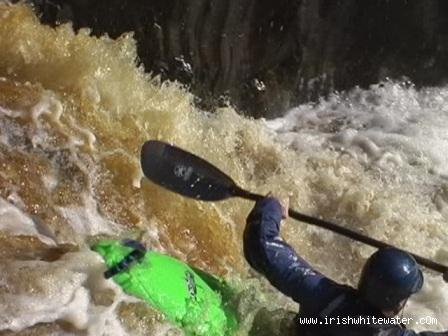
<point>389,277</point>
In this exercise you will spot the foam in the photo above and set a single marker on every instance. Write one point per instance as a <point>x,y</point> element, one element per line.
<point>391,126</point>
<point>430,302</point>
<point>399,135</point>
<point>35,292</point>
<point>86,220</point>
<point>14,221</point>
<point>396,132</point>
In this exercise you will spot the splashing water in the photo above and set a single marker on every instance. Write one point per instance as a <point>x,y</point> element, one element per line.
<point>74,111</point>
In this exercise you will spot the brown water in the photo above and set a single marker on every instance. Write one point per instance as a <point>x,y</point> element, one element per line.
<point>74,112</point>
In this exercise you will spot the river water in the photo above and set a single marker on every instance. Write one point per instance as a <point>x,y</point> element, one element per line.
<point>74,112</point>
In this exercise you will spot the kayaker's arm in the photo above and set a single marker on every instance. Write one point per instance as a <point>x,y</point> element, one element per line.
<point>267,253</point>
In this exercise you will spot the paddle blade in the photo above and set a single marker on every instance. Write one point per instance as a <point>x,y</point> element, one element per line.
<point>184,173</point>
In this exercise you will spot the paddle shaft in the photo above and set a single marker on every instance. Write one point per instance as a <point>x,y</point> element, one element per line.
<point>191,176</point>
<point>344,231</point>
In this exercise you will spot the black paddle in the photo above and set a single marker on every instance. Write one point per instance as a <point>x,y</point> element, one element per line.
<point>189,175</point>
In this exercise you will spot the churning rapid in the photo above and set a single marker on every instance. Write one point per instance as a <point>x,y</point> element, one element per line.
<point>74,112</point>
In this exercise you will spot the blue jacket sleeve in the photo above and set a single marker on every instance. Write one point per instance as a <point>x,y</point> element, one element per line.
<point>267,253</point>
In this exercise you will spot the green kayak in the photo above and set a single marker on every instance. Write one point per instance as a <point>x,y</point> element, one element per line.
<point>190,298</point>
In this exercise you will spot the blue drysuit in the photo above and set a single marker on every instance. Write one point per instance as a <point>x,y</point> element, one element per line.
<point>320,298</point>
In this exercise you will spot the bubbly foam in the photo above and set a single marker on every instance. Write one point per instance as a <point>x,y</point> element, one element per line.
<point>37,292</point>
<point>399,135</point>
<point>14,222</point>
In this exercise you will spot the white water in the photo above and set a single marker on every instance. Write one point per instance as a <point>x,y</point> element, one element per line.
<point>399,134</point>
<point>74,111</point>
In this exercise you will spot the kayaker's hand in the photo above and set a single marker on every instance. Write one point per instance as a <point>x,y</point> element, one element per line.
<point>284,202</point>
<point>285,207</point>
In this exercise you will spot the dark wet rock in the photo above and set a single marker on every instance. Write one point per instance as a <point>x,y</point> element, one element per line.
<point>268,55</point>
